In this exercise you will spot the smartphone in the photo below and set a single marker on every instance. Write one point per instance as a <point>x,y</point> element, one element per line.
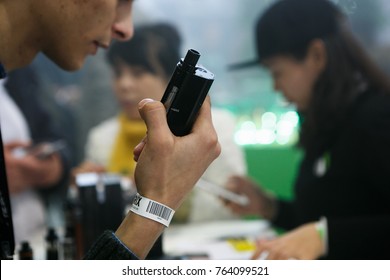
<point>185,93</point>
<point>41,150</point>
<point>46,149</point>
<point>222,192</point>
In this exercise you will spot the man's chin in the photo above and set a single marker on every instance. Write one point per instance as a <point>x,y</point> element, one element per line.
<point>66,63</point>
<point>70,67</point>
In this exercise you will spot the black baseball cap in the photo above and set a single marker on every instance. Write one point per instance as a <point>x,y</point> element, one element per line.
<point>288,26</point>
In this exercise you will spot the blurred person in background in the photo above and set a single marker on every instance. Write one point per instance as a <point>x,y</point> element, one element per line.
<point>142,68</point>
<point>34,182</point>
<point>340,209</point>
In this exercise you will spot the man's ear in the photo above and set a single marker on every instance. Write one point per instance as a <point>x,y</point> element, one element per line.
<point>316,55</point>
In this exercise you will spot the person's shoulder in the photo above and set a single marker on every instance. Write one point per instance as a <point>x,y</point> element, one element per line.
<point>107,127</point>
<point>375,104</point>
<point>373,111</point>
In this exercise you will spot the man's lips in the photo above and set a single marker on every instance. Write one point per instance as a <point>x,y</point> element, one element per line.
<point>102,45</point>
<point>98,45</point>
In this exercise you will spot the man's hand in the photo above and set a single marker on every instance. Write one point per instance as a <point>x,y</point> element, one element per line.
<point>168,166</point>
<point>167,169</point>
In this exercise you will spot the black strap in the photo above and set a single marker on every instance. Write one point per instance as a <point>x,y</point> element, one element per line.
<point>7,241</point>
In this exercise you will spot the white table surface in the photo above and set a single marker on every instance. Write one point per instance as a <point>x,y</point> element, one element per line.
<point>210,238</point>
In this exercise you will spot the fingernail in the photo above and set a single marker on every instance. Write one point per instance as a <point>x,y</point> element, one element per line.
<point>139,145</point>
<point>144,101</point>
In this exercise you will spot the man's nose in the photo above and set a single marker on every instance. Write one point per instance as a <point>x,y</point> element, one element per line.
<point>123,29</point>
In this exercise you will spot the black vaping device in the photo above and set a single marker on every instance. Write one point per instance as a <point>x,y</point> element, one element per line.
<point>186,92</point>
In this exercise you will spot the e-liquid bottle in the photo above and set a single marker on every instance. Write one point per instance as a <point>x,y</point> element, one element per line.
<point>69,243</point>
<point>25,252</point>
<point>51,245</point>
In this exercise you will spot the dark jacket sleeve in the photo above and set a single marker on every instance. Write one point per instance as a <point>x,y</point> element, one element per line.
<point>285,215</point>
<point>368,236</point>
<point>109,247</point>
<point>359,238</point>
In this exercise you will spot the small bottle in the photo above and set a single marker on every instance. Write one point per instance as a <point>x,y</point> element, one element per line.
<point>69,244</point>
<point>52,245</point>
<point>25,252</point>
<point>71,209</point>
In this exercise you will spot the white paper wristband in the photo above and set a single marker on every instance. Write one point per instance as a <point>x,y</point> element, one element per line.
<point>151,209</point>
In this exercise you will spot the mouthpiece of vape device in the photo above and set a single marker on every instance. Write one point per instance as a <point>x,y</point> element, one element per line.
<point>192,57</point>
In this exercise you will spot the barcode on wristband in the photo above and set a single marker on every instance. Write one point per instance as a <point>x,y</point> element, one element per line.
<point>152,210</point>
<point>158,210</point>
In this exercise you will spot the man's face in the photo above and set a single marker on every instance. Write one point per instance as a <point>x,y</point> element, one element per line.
<point>74,29</point>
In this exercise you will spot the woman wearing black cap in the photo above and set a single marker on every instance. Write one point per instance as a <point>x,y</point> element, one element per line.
<point>342,193</point>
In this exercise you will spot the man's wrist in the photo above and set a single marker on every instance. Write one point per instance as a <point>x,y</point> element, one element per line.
<point>152,209</point>
<point>139,233</point>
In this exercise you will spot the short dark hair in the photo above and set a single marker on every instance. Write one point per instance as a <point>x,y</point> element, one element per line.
<point>154,47</point>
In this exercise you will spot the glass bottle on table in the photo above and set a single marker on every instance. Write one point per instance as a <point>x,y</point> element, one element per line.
<point>25,252</point>
<point>51,245</point>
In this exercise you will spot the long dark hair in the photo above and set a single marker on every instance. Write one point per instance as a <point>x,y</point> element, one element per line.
<point>288,28</point>
<point>349,72</point>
